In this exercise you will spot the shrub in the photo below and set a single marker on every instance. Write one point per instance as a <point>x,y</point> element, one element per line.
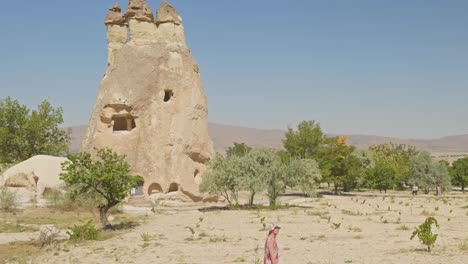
<point>463,245</point>
<point>403,227</point>
<point>86,231</point>
<point>8,200</point>
<point>54,198</point>
<point>145,237</point>
<point>424,233</point>
<point>48,234</point>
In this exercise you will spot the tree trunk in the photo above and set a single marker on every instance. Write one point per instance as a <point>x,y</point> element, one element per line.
<point>272,202</point>
<point>336,189</point>
<point>103,217</point>
<point>463,187</point>
<point>251,199</point>
<point>226,195</point>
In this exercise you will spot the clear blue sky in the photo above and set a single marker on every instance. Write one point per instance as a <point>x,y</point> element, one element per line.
<point>393,68</point>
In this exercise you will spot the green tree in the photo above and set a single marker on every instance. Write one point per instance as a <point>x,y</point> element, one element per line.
<point>380,176</point>
<point>261,169</point>
<point>238,149</point>
<point>25,133</point>
<point>223,178</point>
<point>305,174</point>
<point>367,162</point>
<point>254,171</point>
<point>107,177</point>
<point>276,177</point>
<point>459,172</point>
<point>305,142</point>
<point>341,165</point>
<point>426,172</point>
<point>396,156</point>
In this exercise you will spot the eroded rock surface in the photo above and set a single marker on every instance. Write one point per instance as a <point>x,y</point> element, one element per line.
<point>115,16</point>
<point>38,174</point>
<point>151,105</point>
<point>167,14</point>
<point>139,10</point>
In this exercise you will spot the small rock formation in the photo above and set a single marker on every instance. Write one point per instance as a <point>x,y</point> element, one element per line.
<point>139,10</point>
<point>151,105</point>
<point>39,173</point>
<point>49,234</point>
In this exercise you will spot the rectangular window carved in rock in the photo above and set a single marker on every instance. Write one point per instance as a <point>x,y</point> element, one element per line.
<point>168,95</point>
<point>123,123</point>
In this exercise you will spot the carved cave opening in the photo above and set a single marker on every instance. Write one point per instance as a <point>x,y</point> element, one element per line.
<point>123,123</point>
<point>196,172</point>
<point>168,94</point>
<point>154,188</point>
<point>139,189</point>
<point>174,187</point>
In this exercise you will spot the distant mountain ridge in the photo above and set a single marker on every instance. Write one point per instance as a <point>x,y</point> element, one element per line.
<point>224,136</point>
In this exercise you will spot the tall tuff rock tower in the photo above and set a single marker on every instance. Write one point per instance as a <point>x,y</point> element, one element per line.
<point>151,105</point>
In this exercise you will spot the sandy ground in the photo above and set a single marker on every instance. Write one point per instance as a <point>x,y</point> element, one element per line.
<point>370,232</point>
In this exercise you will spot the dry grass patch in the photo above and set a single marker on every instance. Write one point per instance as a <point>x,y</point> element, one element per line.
<point>46,216</point>
<point>463,246</point>
<point>6,227</point>
<point>427,213</point>
<point>347,212</point>
<point>18,252</point>
<point>403,228</point>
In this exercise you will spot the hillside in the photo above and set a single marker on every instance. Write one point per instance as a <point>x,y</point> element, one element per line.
<point>224,135</point>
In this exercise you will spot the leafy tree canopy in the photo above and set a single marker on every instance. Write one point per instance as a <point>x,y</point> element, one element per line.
<point>339,163</point>
<point>259,170</point>
<point>395,156</point>
<point>459,172</point>
<point>238,149</point>
<point>25,133</point>
<point>306,141</point>
<point>107,177</point>
<point>426,172</point>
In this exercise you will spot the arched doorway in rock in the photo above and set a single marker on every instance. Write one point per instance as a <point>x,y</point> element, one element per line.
<point>139,189</point>
<point>174,187</point>
<point>154,188</point>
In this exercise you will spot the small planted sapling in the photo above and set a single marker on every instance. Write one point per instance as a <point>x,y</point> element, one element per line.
<point>424,233</point>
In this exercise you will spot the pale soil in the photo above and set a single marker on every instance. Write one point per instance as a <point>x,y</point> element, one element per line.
<point>369,233</point>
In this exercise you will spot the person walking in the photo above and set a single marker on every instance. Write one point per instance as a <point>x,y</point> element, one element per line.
<point>437,189</point>
<point>271,247</point>
<point>415,190</point>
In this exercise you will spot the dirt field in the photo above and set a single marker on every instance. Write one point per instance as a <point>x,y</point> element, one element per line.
<point>331,229</point>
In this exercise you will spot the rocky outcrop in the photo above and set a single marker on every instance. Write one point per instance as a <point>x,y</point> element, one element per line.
<point>167,14</point>
<point>139,10</point>
<point>115,16</point>
<point>39,173</point>
<point>151,105</point>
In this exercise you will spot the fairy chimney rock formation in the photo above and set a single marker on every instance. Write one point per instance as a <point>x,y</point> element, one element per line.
<point>151,105</point>
<point>117,30</point>
<point>139,10</point>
